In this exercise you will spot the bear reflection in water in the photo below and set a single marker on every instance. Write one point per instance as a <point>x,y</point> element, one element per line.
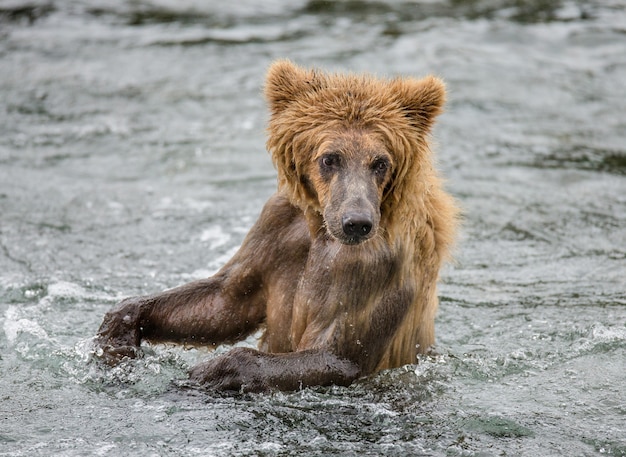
<point>342,264</point>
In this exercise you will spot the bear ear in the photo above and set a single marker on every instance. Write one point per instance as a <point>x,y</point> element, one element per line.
<point>422,100</point>
<point>285,82</point>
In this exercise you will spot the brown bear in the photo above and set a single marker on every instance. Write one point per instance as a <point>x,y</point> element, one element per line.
<point>341,267</point>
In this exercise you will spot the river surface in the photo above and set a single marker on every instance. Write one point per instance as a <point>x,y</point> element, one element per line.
<point>132,160</point>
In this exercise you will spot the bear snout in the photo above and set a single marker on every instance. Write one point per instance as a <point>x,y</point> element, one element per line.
<point>356,225</point>
<point>352,225</point>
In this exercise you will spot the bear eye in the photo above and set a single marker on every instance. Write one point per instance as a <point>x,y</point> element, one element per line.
<point>380,166</point>
<point>329,161</point>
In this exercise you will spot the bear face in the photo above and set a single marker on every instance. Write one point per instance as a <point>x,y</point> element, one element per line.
<point>348,176</point>
<point>343,143</point>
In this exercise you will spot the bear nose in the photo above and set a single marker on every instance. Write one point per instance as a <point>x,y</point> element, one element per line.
<point>356,224</point>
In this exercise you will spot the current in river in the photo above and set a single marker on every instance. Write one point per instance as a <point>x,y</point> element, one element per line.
<point>132,159</point>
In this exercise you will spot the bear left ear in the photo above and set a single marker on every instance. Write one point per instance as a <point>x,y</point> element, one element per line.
<point>285,82</point>
<point>421,99</point>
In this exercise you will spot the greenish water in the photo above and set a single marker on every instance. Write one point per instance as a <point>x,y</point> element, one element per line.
<point>132,160</point>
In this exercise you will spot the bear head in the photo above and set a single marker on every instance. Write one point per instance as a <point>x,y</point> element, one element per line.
<point>350,148</point>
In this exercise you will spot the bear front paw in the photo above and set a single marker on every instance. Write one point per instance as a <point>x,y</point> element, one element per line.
<point>119,335</point>
<point>239,370</point>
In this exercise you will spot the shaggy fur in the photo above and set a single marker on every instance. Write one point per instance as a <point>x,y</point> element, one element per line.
<point>341,267</point>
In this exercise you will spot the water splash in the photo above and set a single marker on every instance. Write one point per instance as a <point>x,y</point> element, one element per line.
<point>15,325</point>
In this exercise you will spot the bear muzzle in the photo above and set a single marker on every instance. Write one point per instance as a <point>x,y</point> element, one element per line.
<point>353,226</point>
<point>356,225</point>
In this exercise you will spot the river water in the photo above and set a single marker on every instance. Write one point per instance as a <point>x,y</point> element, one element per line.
<point>132,160</point>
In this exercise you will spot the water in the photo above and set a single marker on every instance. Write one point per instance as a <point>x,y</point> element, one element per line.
<point>132,160</point>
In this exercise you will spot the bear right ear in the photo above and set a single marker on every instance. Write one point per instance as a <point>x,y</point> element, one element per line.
<point>285,82</point>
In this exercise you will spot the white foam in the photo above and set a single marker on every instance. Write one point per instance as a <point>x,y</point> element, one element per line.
<point>599,334</point>
<point>215,235</point>
<point>14,326</point>
<point>602,334</point>
<point>65,289</point>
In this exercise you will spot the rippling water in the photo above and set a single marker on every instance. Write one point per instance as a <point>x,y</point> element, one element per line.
<point>132,159</point>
